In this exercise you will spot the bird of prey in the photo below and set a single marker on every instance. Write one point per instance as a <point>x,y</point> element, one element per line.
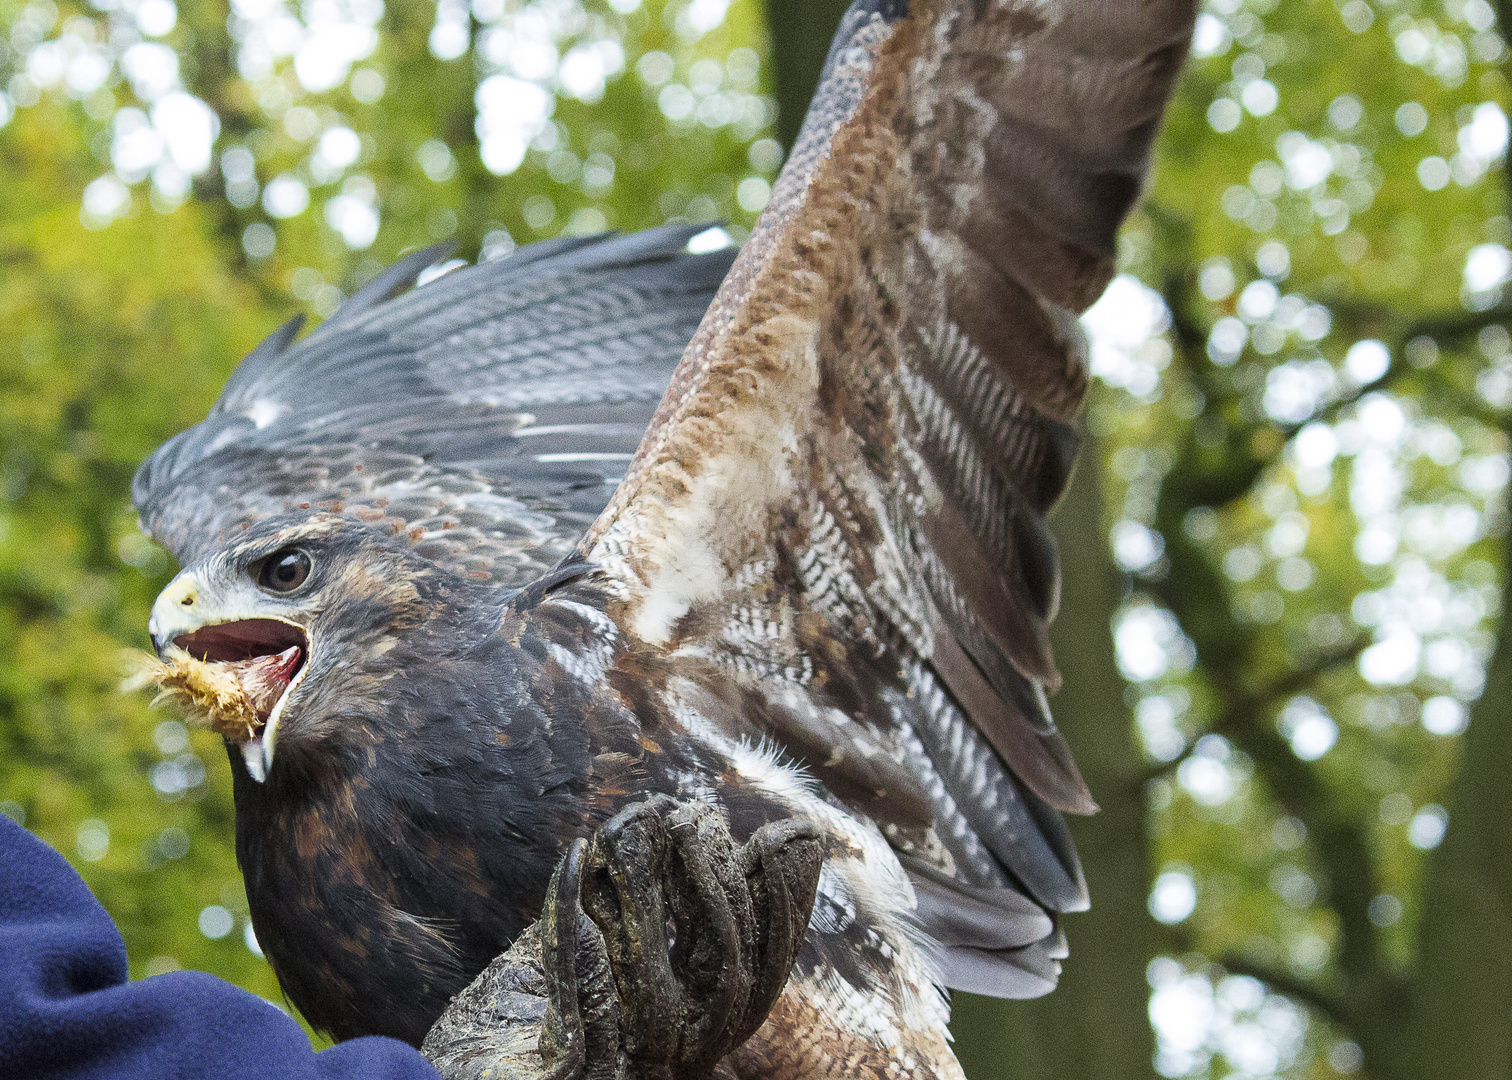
<point>453,610</point>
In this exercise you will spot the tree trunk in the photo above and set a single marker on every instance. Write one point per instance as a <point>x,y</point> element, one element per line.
<point>1461,998</point>
<point>1096,1023</point>
<point>801,31</point>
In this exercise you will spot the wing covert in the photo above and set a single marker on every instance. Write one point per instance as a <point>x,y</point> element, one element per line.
<point>486,415</point>
<point>841,497</point>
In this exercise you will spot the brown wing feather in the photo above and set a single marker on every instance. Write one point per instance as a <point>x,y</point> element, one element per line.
<point>876,412</point>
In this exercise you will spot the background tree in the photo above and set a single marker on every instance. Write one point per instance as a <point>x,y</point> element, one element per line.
<point>177,181</point>
<point>1290,510</point>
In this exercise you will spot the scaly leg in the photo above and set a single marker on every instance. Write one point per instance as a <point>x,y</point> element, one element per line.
<point>662,946</point>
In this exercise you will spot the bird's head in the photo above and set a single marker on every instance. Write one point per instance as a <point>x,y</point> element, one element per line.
<point>286,636</point>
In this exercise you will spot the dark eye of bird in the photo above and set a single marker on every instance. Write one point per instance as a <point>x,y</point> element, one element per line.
<point>284,571</point>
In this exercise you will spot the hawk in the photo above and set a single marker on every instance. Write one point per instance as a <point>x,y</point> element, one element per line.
<point>456,589</point>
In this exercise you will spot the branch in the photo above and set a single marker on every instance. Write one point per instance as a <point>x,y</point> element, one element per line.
<point>1366,997</point>
<point>1458,324</point>
<point>1446,324</point>
<point>1303,990</point>
<point>1228,651</point>
<point>1190,334</point>
<point>1340,843</point>
<point>1183,940</point>
<point>1296,679</point>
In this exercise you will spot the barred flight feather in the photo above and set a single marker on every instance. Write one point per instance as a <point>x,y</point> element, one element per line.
<point>910,296</point>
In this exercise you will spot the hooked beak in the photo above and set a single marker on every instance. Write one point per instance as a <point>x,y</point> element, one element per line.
<point>260,659</point>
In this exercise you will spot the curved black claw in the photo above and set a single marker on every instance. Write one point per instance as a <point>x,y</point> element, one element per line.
<point>700,933</point>
<point>545,1010</point>
<point>662,947</point>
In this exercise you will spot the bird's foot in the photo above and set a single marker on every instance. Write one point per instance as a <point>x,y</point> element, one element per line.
<point>662,946</point>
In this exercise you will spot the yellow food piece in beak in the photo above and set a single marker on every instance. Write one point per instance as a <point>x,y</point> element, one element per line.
<point>206,693</point>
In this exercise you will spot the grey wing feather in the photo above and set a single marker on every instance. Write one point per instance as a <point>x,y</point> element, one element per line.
<point>487,415</point>
<point>1029,972</point>
<point>977,918</point>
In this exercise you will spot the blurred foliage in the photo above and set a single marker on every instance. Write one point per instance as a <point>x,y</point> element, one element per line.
<point>1303,372</point>
<point>1310,435</point>
<point>125,319</point>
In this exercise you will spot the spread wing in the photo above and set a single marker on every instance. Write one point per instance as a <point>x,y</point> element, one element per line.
<point>837,516</point>
<point>488,414</point>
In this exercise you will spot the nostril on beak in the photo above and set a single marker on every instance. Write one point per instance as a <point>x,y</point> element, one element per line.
<point>188,601</point>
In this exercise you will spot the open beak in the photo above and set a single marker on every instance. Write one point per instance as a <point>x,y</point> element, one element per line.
<point>264,657</point>
<point>236,674</point>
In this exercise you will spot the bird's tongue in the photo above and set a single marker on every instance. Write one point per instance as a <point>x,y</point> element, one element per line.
<point>264,678</point>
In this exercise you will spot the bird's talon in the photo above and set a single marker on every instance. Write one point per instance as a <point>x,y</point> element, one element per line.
<point>661,947</point>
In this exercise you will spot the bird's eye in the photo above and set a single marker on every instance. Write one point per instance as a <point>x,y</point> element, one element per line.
<point>284,571</point>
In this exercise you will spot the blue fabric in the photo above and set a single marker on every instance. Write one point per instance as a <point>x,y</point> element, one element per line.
<point>66,1009</point>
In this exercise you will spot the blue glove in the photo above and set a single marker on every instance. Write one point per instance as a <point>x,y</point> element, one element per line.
<point>67,1011</point>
